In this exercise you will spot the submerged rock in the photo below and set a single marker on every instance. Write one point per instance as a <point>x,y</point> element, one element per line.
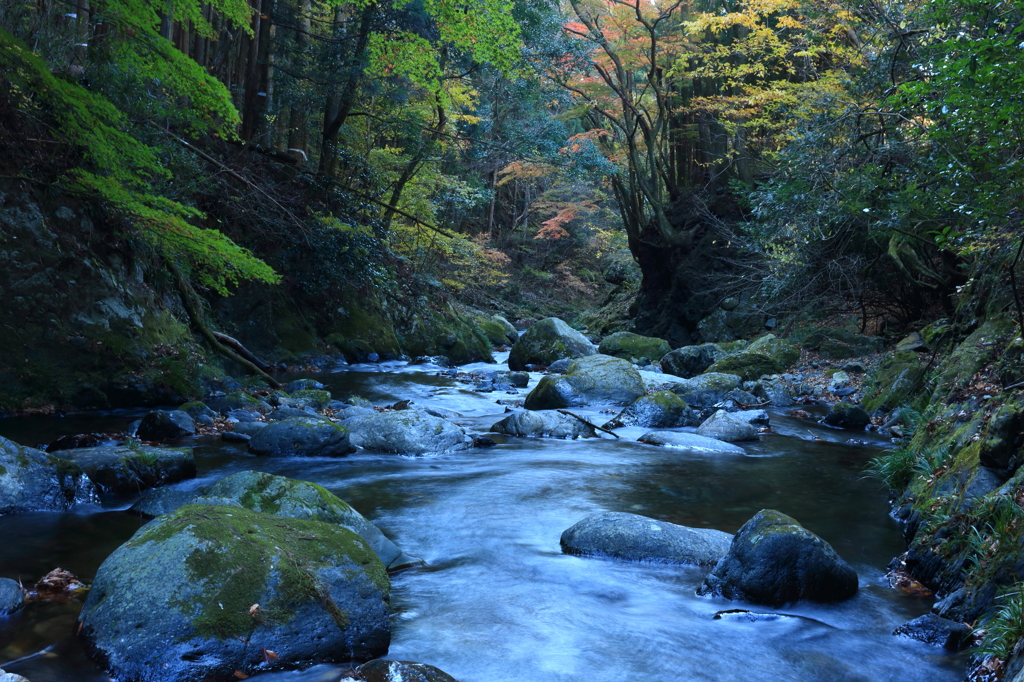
<point>773,560</point>
<point>32,480</point>
<point>639,538</point>
<point>547,341</point>
<point>690,442</point>
<point>549,423</point>
<point>207,591</point>
<point>128,469</point>
<point>847,416</point>
<point>594,380</point>
<point>727,426</point>
<point>408,432</point>
<point>383,670</point>
<point>301,437</point>
<point>936,630</point>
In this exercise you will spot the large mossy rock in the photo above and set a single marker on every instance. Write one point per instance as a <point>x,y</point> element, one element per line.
<point>1001,443</point>
<point>748,365</point>
<point>708,389</point>
<point>544,423</point>
<point>639,350</point>
<point>205,591</point>
<point>127,469</point>
<point>773,560</point>
<point>838,344</point>
<point>728,427</point>
<point>639,538</point>
<point>240,400</point>
<point>302,437</point>
<point>689,361</point>
<point>547,341</point>
<point>594,380</point>
<point>782,351</point>
<point>494,332</point>
<point>659,410</point>
<point>31,480</point>
<point>511,334</point>
<point>894,381</point>
<point>408,432</point>
<point>288,498</point>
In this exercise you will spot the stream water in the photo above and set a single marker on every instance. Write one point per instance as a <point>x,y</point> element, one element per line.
<point>498,601</point>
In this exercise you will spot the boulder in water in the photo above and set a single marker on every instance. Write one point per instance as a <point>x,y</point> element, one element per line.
<point>727,426</point>
<point>690,442</point>
<point>594,380</point>
<point>548,423</point>
<point>847,416</point>
<point>166,425</point>
<point>708,389</point>
<point>126,469</point>
<point>11,596</point>
<point>207,591</point>
<point>773,560</point>
<point>639,538</point>
<point>301,437</point>
<point>511,335</point>
<point>689,361</point>
<point>659,410</point>
<point>634,348</point>
<point>547,341</point>
<point>32,480</point>
<point>384,670</point>
<point>162,501</point>
<point>936,630</point>
<point>408,432</point>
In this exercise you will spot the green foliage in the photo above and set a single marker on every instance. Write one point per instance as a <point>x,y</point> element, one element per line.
<point>895,468</point>
<point>1006,626</point>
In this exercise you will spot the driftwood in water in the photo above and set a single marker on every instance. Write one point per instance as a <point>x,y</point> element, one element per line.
<point>588,423</point>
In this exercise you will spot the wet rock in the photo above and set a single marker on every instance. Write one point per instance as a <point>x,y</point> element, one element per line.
<point>243,416</point>
<point>893,381</point>
<point>303,385</point>
<point>748,365</point>
<point>11,596</point>
<point>755,417</point>
<point>439,360</point>
<point>639,538</point>
<point>32,480</point>
<point>547,423</point>
<point>206,591</point>
<point>12,677</point>
<point>409,432</point>
<point>935,630</point>
<point>560,366</point>
<point>166,425</point>
<point>313,398</point>
<point>708,389</point>
<point>234,437</point>
<point>282,413</point>
<point>292,499</point>
<point>690,442</point>
<point>384,670</point>
<point>746,616</point>
<point>127,469</point>
<point>773,560</point>
<point>847,416</point>
<point>662,409</point>
<point>200,413</point>
<point>634,348</point>
<point>689,361</point>
<point>594,380</point>
<point>1003,437</point>
<point>726,426</point>
<point>162,501</point>
<point>302,437</point>
<point>239,400</point>
<point>547,341</point>
<point>247,428</point>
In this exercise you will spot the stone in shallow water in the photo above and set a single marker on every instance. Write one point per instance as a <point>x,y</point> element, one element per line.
<point>936,630</point>
<point>11,596</point>
<point>639,538</point>
<point>690,442</point>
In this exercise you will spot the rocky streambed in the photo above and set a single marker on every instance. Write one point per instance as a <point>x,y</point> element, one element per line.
<point>475,506</point>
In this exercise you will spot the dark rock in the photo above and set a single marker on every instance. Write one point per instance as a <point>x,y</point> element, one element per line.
<point>546,423</point>
<point>384,670</point>
<point>239,400</point>
<point>438,360</point>
<point>855,367</point>
<point>292,499</point>
<point>1003,438</point>
<point>783,352</point>
<point>847,416</point>
<point>200,413</point>
<point>408,432</point>
<point>634,348</point>
<point>244,416</point>
<point>166,425</point>
<point>32,480</point>
<point>748,365</point>
<point>547,341</point>
<point>935,630</point>
<point>690,442</point>
<point>483,442</point>
<point>619,267</point>
<point>292,412</point>
<point>896,378</point>
<point>248,428</point>
<point>708,389</point>
<point>726,426</point>
<point>689,361</point>
<point>235,437</point>
<point>639,538</point>
<point>11,596</point>
<point>313,398</point>
<point>560,366</point>
<point>127,469</point>
<point>659,410</point>
<point>302,437</point>
<point>594,380</point>
<point>303,385</point>
<point>773,560</point>
<point>913,342</point>
<point>206,590</point>
<point>84,440</point>
<point>843,392</point>
<point>518,379</point>
<point>162,501</point>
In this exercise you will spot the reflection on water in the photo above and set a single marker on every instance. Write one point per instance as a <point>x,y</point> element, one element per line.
<point>498,601</point>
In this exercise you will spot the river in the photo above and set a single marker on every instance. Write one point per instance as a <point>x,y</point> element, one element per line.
<point>498,601</point>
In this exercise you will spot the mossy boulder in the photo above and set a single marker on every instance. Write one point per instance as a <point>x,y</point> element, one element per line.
<point>710,388</point>
<point>166,425</point>
<point>316,398</point>
<point>782,351</point>
<point>302,437</point>
<point>206,591</point>
<point>638,538</point>
<point>748,365</point>
<point>511,333</point>
<point>593,380</point>
<point>847,416</point>
<point>408,432</point>
<point>689,361</point>
<point>545,423</point>
<point>32,480</point>
<point>1001,443</point>
<point>983,346</point>
<point>288,498</point>
<point>837,344</point>
<point>773,560</point>
<point>200,412</point>
<point>240,400</point>
<point>659,410</point>
<point>127,469</point>
<point>896,379</point>
<point>637,349</point>
<point>494,332</point>
<point>547,341</point>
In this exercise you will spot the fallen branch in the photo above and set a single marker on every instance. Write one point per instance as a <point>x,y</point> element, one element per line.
<point>589,423</point>
<point>236,346</point>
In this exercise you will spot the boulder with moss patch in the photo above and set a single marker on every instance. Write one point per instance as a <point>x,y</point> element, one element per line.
<point>240,400</point>
<point>302,437</point>
<point>594,380</point>
<point>126,469</point>
<point>659,410</point>
<point>847,416</point>
<point>511,334</point>
<point>545,423</point>
<point>494,332</point>
<point>894,381</point>
<point>689,361</point>
<point>784,352</point>
<point>206,591</point>
<point>408,432</point>
<point>748,365</point>
<point>547,341</point>
<point>311,397</point>
<point>637,349</point>
<point>773,560</point>
<point>711,388</point>
<point>32,480</point>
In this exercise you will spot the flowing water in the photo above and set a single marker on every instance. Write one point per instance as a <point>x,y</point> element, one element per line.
<point>498,601</point>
